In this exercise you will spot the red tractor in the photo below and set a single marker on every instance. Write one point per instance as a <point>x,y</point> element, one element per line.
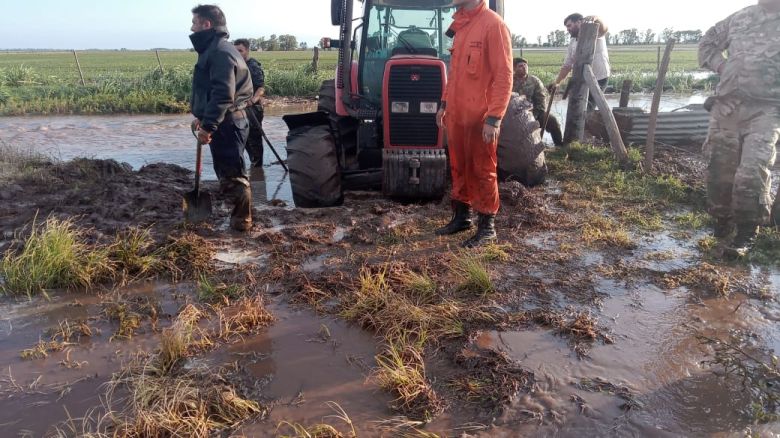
<point>376,122</point>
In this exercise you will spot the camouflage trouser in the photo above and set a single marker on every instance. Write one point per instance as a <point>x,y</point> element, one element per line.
<point>740,151</point>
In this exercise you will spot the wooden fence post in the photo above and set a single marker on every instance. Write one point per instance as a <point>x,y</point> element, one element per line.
<point>157,52</point>
<point>659,89</point>
<point>615,140</point>
<point>78,65</point>
<point>315,62</point>
<point>578,89</point>
<point>625,93</point>
<point>658,60</point>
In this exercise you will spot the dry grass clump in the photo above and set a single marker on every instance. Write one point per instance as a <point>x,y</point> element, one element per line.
<point>218,293</point>
<point>187,404</point>
<point>182,338</point>
<point>474,274</point>
<point>401,371</point>
<point>187,255</point>
<point>246,316</point>
<point>322,430</point>
<point>128,313</point>
<point>582,328</point>
<point>601,231</point>
<point>65,334</point>
<point>42,349</point>
<point>380,304</point>
<point>54,256</point>
<point>134,251</point>
<point>704,277</point>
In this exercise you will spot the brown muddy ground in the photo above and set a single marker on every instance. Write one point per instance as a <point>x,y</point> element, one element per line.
<point>605,338</point>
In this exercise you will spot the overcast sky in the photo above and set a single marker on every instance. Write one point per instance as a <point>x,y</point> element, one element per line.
<point>144,24</point>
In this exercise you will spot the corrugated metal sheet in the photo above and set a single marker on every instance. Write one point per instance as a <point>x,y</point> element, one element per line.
<point>680,127</point>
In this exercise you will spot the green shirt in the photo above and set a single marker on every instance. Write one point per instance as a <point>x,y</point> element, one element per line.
<point>533,89</point>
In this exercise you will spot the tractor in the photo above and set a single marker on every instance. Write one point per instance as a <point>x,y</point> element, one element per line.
<point>375,127</point>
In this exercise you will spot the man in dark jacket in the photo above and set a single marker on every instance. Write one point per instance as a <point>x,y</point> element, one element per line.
<point>254,144</point>
<point>221,90</point>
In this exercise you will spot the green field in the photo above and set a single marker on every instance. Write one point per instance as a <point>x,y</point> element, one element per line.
<point>130,81</point>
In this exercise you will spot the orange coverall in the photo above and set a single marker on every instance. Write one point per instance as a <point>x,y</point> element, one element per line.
<point>478,91</point>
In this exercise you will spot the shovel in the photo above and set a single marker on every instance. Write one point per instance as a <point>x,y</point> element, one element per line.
<point>197,205</point>
<point>549,108</point>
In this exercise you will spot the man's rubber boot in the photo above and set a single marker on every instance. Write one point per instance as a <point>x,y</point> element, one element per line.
<point>461,220</point>
<point>486,231</point>
<point>775,220</point>
<point>722,228</point>
<point>241,217</point>
<point>743,241</point>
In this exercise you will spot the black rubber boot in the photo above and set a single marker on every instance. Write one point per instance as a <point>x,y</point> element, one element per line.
<point>722,228</point>
<point>743,241</point>
<point>486,231</point>
<point>461,220</point>
<point>240,194</point>
<point>775,221</point>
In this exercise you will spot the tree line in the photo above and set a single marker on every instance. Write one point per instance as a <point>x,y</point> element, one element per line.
<point>626,37</point>
<point>276,43</point>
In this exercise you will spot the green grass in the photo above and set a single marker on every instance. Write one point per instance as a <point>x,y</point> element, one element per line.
<point>131,82</point>
<point>54,256</point>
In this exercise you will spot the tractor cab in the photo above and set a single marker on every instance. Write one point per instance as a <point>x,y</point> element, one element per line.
<point>380,109</point>
<point>393,29</point>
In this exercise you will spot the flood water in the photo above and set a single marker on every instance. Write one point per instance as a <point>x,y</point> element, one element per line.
<point>305,360</point>
<point>143,139</point>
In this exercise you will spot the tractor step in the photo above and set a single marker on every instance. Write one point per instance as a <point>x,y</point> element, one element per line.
<point>414,173</point>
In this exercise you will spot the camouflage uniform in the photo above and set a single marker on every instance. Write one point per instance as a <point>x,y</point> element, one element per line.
<point>534,90</point>
<point>745,125</point>
<point>254,143</point>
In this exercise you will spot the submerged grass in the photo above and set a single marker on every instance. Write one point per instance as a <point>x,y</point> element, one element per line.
<point>401,371</point>
<point>286,429</point>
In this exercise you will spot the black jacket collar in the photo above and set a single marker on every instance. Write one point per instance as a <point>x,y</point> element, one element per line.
<point>203,39</point>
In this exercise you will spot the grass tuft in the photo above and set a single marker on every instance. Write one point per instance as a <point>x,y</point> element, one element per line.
<point>246,316</point>
<point>401,371</point>
<point>54,256</point>
<point>600,231</point>
<point>473,274</point>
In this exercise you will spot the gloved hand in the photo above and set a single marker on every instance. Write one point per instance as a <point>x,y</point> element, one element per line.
<point>552,87</point>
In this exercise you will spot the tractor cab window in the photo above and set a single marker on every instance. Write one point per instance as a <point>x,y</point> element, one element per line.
<point>392,31</point>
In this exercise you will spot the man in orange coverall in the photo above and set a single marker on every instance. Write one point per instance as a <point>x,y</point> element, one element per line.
<point>476,98</point>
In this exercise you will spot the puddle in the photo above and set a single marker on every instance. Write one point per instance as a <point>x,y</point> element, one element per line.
<point>308,361</point>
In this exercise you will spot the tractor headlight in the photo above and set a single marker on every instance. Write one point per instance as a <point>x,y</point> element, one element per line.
<point>429,107</point>
<point>400,107</point>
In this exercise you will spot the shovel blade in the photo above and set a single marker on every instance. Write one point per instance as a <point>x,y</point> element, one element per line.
<point>197,206</point>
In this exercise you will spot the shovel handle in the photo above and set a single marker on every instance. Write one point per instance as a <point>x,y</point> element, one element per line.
<point>549,108</point>
<point>198,166</point>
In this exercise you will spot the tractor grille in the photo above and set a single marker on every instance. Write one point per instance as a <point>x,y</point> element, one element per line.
<point>414,84</point>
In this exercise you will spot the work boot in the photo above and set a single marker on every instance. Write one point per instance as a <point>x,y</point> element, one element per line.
<point>461,220</point>
<point>241,195</point>
<point>486,231</point>
<point>722,228</point>
<point>743,241</point>
<point>775,221</point>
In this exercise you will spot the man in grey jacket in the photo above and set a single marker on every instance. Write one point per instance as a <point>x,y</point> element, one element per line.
<point>221,90</point>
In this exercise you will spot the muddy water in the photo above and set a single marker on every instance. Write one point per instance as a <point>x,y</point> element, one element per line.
<point>145,139</point>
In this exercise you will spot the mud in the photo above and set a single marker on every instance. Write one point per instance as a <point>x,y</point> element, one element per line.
<point>576,340</point>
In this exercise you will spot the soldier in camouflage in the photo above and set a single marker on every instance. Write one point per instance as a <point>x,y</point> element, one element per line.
<point>534,91</point>
<point>740,150</point>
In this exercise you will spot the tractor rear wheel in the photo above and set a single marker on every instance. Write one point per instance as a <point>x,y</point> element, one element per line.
<point>345,128</point>
<point>315,174</point>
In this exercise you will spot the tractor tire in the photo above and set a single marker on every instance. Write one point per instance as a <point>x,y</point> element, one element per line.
<point>315,175</point>
<point>345,128</point>
<point>520,147</point>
